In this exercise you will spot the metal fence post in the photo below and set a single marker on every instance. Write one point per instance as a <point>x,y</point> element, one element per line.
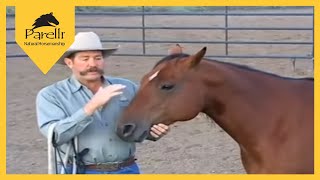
<point>143,32</point>
<point>226,31</point>
<point>312,55</point>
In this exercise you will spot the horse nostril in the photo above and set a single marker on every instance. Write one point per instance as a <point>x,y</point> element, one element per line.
<point>128,129</point>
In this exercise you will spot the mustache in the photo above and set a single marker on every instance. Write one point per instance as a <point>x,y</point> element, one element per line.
<point>92,69</point>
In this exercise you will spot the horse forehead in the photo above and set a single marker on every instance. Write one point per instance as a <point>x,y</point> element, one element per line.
<point>149,77</point>
<point>164,69</point>
<point>155,74</point>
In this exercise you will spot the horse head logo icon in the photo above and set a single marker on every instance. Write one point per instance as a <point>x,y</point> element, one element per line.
<point>45,20</point>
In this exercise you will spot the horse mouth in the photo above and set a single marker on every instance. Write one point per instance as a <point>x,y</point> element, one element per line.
<point>143,136</point>
<point>131,133</point>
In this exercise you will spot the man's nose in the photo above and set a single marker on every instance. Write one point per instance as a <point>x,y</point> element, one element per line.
<point>92,62</point>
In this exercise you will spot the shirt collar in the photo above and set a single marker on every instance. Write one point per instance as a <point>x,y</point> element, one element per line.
<point>76,85</point>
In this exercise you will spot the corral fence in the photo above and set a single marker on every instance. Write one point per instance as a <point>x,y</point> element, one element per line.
<point>225,26</point>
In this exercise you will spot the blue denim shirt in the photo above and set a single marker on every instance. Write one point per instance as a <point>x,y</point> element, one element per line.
<point>63,102</point>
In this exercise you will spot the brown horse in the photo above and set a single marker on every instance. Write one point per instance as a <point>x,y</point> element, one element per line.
<point>270,117</point>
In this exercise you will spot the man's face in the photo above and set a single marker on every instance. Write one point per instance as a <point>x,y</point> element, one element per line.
<point>87,65</point>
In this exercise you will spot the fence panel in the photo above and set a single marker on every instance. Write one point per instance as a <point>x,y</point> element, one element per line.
<point>230,32</point>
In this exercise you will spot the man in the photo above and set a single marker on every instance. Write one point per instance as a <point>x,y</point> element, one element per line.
<point>86,106</point>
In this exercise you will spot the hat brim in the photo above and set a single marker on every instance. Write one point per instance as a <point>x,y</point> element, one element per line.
<point>105,53</point>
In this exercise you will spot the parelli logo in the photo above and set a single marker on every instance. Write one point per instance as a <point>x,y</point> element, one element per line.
<point>44,31</point>
<point>38,33</point>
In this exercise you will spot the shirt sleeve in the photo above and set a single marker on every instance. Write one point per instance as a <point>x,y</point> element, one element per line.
<point>135,88</point>
<point>49,111</point>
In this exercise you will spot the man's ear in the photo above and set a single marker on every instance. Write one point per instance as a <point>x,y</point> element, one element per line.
<point>69,62</point>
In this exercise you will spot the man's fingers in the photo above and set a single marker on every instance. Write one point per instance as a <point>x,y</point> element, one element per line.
<point>116,93</point>
<point>161,129</point>
<point>158,130</point>
<point>112,90</point>
<point>116,87</point>
<point>163,126</point>
<point>119,86</point>
<point>154,135</point>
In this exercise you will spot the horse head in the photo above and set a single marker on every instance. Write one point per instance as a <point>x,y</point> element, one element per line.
<point>169,93</point>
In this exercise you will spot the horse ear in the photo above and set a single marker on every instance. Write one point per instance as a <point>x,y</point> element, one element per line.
<point>177,49</point>
<point>196,58</point>
<point>51,13</point>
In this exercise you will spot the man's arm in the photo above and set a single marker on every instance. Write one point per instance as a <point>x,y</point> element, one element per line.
<point>49,111</point>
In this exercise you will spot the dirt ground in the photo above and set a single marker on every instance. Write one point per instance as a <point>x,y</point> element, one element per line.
<point>195,147</point>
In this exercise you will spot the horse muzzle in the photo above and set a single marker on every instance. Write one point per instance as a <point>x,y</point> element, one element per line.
<point>132,132</point>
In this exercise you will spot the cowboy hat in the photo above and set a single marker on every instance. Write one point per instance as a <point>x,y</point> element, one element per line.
<point>86,41</point>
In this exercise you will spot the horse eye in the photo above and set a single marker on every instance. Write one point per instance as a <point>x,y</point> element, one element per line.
<point>167,87</point>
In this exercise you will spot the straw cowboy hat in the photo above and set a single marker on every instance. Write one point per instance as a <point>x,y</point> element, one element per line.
<point>86,41</point>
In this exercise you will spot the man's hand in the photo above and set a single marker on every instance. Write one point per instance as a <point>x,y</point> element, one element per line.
<point>102,97</point>
<point>159,130</point>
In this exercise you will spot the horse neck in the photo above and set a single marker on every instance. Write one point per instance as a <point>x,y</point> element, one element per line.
<point>231,98</point>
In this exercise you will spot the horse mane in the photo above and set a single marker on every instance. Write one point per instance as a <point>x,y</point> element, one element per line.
<point>170,57</point>
<point>243,67</point>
